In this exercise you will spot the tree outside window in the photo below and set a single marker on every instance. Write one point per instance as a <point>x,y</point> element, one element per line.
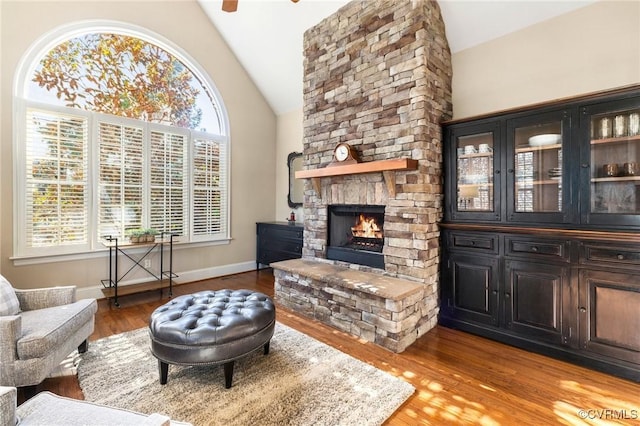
<point>153,127</point>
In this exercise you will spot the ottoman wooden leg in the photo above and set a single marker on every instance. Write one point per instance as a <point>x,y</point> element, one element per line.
<point>228,374</point>
<point>163,367</point>
<point>266,348</point>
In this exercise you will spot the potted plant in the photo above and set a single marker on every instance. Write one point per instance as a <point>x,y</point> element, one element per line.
<point>150,235</point>
<point>136,235</point>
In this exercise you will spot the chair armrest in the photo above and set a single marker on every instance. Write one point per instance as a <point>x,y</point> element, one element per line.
<point>40,298</point>
<point>8,402</point>
<point>10,332</point>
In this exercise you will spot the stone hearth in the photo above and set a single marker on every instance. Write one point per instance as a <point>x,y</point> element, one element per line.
<point>380,309</point>
<point>378,76</point>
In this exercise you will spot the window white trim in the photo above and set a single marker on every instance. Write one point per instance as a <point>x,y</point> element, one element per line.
<point>47,41</point>
<point>26,68</point>
<point>19,184</point>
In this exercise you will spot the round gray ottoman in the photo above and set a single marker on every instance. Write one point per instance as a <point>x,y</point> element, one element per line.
<point>211,327</point>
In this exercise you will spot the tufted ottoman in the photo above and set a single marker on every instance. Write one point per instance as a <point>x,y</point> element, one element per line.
<point>211,327</point>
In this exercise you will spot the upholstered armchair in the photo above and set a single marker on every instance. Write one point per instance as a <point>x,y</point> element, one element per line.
<point>49,409</point>
<point>39,328</point>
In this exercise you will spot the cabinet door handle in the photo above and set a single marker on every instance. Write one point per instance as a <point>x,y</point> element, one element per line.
<point>583,310</point>
<point>585,165</point>
<point>534,249</point>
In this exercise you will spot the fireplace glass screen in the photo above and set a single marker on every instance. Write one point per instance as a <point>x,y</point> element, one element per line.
<point>356,234</point>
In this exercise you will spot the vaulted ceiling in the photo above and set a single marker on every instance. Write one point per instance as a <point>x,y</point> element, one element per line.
<point>266,35</point>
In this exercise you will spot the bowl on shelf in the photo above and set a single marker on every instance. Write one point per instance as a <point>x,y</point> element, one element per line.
<point>545,139</point>
<point>556,172</point>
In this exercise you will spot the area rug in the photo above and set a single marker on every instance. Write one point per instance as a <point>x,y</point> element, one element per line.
<point>301,382</point>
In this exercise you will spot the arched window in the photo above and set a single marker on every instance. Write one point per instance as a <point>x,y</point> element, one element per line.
<point>116,130</point>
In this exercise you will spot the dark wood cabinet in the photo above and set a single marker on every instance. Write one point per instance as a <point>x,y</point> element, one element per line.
<point>575,163</point>
<point>534,300</point>
<point>610,314</point>
<point>608,167</point>
<point>277,241</point>
<point>537,175</point>
<point>473,183</point>
<point>541,231</point>
<point>473,293</point>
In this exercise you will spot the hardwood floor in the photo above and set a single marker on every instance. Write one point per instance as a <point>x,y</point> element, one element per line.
<point>459,378</point>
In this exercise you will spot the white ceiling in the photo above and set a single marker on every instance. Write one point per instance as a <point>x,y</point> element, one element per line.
<point>266,35</point>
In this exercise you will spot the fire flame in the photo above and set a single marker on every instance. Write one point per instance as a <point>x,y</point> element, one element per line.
<point>366,227</point>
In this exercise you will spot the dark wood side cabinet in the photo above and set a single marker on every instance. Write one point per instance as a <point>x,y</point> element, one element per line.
<point>277,241</point>
<point>541,234</point>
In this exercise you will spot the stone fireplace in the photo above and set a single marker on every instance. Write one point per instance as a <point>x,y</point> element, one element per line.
<point>356,234</point>
<point>377,76</point>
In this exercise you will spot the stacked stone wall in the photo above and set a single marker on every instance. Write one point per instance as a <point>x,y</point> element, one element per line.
<point>392,316</point>
<point>377,74</point>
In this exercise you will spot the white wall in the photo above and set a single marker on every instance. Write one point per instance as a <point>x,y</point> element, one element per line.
<point>289,139</point>
<point>252,124</point>
<point>590,49</point>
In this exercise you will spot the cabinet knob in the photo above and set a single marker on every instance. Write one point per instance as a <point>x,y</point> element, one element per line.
<point>584,165</point>
<point>495,292</point>
<point>507,295</point>
<point>534,249</point>
<point>497,172</point>
<point>583,310</point>
<point>620,256</point>
<point>510,170</point>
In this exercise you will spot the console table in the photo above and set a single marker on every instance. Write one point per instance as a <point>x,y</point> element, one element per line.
<point>159,279</point>
<point>278,241</point>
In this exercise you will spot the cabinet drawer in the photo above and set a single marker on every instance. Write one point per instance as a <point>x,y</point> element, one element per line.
<point>278,242</point>
<point>629,255</point>
<point>539,248</point>
<point>268,257</point>
<point>281,233</point>
<point>284,246</point>
<point>473,241</point>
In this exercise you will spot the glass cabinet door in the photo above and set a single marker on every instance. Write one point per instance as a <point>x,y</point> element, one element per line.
<point>614,164</point>
<point>475,173</point>
<point>537,182</point>
<point>473,153</point>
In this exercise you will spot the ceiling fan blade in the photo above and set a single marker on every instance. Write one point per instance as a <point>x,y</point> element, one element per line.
<point>232,5</point>
<point>229,5</point>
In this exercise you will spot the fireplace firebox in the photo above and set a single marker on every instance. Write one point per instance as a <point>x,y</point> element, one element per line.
<point>356,234</point>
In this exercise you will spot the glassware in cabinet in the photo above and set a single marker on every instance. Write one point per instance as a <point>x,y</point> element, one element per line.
<point>474,177</point>
<point>538,168</point>
<point>615,162</point>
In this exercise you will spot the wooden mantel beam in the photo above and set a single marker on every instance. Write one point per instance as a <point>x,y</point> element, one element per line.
<point>397,164</point>
<point>387,167</point>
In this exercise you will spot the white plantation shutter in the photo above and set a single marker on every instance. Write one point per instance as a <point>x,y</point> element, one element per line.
<point>56,206</point>
<point>81,175</point>
<point>120,178</point>
<point>143,176</point>
<point>168,182</point>
<point>209,174</point>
